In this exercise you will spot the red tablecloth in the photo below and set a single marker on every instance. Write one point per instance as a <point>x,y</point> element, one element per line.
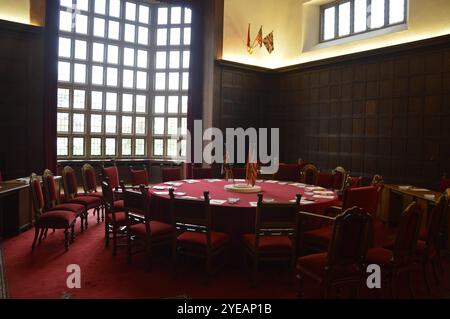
<point>237,219</point>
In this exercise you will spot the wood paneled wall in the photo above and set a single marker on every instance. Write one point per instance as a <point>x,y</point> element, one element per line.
<point>385,112</point>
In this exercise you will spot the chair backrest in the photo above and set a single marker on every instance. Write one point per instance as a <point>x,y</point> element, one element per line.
<point>349,240</point>
<point>139,176</point>
<point>445,183</point>
<point>288,172</point>
<point>239,172</point>
<point>436,221</point>
<point>408,232</point>
<point>170,174</point>
<point>88,178</point>
<point>363,197</point>
<point>201,173</point>
<point>112,173</point>
<point>108,195</point>
<point>276,216</point>
<point>51,193</point>
<point>339,177</point>
<point>70,182</point>
<point>353,181</point>
<point>325,180</point>
<point>137,202</point>
<point>37,196</point>
<point>309,174</point>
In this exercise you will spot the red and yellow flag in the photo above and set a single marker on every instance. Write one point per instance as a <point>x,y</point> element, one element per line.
<point>251,172</point>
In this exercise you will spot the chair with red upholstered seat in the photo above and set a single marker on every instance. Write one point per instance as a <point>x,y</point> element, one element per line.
<point>55,219</point>
<point>139,176</point>
<point>72,195</point>
<point>90,186</point>
<point>309,174</point>
<point>343,264</point>
<point>202,173</point>
<point>112,173</point>
<point>288,172</point>
<point>400,259</point>
<point>151,233</point>
<point>51,198</point>
<point>195,237</point>
<point>325,180</point>
<point>275,236</point>
<point>170,174</point>
<point>339,178</point>
<point>353,181</point>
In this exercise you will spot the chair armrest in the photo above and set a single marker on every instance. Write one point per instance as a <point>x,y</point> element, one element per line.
<point>333,211</point>
<point>317,216</point>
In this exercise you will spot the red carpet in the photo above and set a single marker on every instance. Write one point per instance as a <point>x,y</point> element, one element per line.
<point>42,273</point>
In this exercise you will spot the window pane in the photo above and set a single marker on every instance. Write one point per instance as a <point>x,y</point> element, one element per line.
<point>126,146</point>
<point>162,15</point>
<point>158,126</point>
<point>127,124</point>
<point>128,57</point>
<point>143,35</point>
<point>175,15</point>
<point>78,146</point>
<point>96,100</point>
<point>114,8</point>
<point>97,75</point>
<point>96,146</point>
<point>140,125</point>
<point>80,49</point>
<point>174,79</point>
<point>396,11</point>
<point>78,123</point>
<point>99,27</point>
<point>140,147</point>
<point>111,76</point>
<point>79,73</point>
<point>127,103</point>
<point>110,146</point>
<point>81,24</point>
<point>66,3</point>
<point>183,126</point>
<point>344,19</point>
<point>63,71</point>
<point>172,147</point>
<point>130,33</point>
<point>187,15</point>
<point>184,104</point>
<point>377,14</point>
<point>63,98</point>
<point>96,123</point>
<point>142,59</point>
<point>100,6</point>
<point>187,36</point>
<point>141,101</point>
<point>65,47</point>
<point>62,122</point>
<point>143,14</point>
<point>174,60</point>
<point>128,79</point>
<point>159,104</point>
<point>158,147</point>
<point>185,81</point>
<point>62,146</point>
<point>160,81</point>
<point>175,36</point>
<point>161,37</point>
<point>172,106</point>
<point>186,58</point>
<point>113,54</point>
<point>141,80</point>
<point>328,23</point>
<point>130,11</point>
<point>113,30</point>
<point>110,124</point>
<point>111,101</point>
<point>79,99</point>
<point>160,60</point>
<point>360,15</point>
<point>65,21</point>
<point>83,5</point>
<point>172,126</point>
<point>183,148</point>
<point>98,52</point>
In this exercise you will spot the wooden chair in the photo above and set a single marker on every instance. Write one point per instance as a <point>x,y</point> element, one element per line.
<point>195,237</point>
<point>339,178</point>
<point>72,195</point>
<point>112,173</point>
<point>150,232</point>
<point>309,174</point>
<point>275,236</point>
<point>400,258</point>
<point>51,198</point>
<point>202,173</point>
<point>115,217</point>
<point>353,182</point>
<point>170,174</point>
<point>288,172</point>
<point>343,263</point>
<point>325,180</point>
<point>90,186</point>
<point>56,219</point>
<point>139,176</point>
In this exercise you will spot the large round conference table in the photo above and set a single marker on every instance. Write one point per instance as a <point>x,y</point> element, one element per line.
<point>238,218</point>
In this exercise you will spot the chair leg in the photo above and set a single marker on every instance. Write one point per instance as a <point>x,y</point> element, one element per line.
<point>45,233</point>
<point>41,234</point>
<point>73,233</point>
<point>128,247</point>
<point>106,234</point>
<point>66,239</point>
<point>86,219</point>
<point>97,209</point>
<point>425,277</point>
<point>114,250</point>
<point>103,213</point>
<point>435,265</point>
<point>82,222</point>
<point>36,234</point>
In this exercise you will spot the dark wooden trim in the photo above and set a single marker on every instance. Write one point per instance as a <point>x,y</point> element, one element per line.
<point>242,66</point>
<point>20,27</point>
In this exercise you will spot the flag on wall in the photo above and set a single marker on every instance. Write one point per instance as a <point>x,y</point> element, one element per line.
<point>259,37</point>
<point>251,172</point>
<point>268,42</point>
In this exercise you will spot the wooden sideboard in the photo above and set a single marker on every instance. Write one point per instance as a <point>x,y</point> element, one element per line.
<point>15,212</point>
